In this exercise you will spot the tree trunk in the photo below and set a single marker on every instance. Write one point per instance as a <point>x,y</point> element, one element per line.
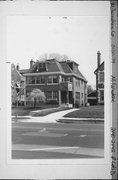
<point>34,102</point>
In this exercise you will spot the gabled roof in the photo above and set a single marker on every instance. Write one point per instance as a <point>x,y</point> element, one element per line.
<point>15,74</point>
<point>92,94</point>
<point>101,67</point>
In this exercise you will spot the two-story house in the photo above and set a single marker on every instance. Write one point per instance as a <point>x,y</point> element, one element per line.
<point>61,81</point>
<point>99,72</point>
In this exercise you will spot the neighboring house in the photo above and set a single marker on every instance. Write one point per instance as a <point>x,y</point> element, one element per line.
<point>99,72</point>
<point>17,85</point>
<point>61,81</point>
<point>92,100</point>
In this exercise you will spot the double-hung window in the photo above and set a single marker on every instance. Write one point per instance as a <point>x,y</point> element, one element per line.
<point>101,95</point>
<point>42,80</point>
<point>55,79</point>
<point>49,79</point>
<point>52,79</point>
<point>55,94</point>
<point>101,76</point>
<point>49,95</point>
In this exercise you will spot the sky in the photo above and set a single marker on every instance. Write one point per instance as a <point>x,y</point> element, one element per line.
<point>78,37</point>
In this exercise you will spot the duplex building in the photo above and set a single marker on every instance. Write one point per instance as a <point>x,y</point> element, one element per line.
<point>99,72</point>
<point>61,81</point>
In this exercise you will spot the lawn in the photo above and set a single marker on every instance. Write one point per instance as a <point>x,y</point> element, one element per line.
<point>25,111</point>
<point>30,111</point>
<point>87,112</point>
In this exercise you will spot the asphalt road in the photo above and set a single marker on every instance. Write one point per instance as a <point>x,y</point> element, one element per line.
<point>54,140</point>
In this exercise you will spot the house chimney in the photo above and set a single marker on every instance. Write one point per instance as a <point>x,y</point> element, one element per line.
<point>98,58</point>
<point>17,67</point>
<point>31,63</point>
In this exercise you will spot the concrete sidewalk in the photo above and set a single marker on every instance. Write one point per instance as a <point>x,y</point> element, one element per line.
<point>50,118</point>
<point>58,117</point>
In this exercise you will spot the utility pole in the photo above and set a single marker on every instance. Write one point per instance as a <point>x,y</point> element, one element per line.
<point>17,99</point>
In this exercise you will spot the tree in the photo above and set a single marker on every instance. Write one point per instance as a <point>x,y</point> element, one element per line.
<point>89,89</point>
<point>56,56</point>
<point>37,95</point>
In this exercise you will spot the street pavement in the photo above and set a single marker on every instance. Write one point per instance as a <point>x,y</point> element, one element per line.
<point>42,140</point>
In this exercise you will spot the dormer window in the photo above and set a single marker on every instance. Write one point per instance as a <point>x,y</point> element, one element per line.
<point>41,67</point>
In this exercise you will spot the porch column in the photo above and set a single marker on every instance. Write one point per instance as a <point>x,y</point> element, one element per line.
<point>67,96</point>
<point>59,97</point>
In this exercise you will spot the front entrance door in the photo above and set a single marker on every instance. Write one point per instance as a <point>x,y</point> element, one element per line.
<point>64,97</point>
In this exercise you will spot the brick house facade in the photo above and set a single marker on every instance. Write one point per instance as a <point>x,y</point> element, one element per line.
<point>61,81</point>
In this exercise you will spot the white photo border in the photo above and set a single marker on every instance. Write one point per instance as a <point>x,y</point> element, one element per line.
<point>62,168</point>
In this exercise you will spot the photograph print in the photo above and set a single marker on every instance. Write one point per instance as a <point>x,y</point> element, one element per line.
<point>57,85</point>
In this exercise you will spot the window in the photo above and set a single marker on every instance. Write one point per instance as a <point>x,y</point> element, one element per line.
<point>77,95</point>
<point>52,79</point>
<point>52,95</point>
<point>69,79</point>
<point>76,83</point>
<point>49,79</point>
<point>76,68</point>
<point>101,95</point>
<point>44,65</point>
<point>42,80</point>
<point>32,80</point>
<point>101,85</point>
<point>63,79</point>
<point>38,80</point>
<point>28,80</point>
<point>101,76</point>
<point>55,79</point>
<point>49,94</point>
<point>55,94</point>
<point>41,65</point>
<point>81,81</point>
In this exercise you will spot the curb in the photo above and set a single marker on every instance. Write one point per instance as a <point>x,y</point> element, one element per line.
<point>87,120</point>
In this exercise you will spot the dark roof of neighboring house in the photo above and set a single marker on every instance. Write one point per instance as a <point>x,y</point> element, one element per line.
<point>92,94</point>
<point>101,67</point>
<point>52,65</point>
